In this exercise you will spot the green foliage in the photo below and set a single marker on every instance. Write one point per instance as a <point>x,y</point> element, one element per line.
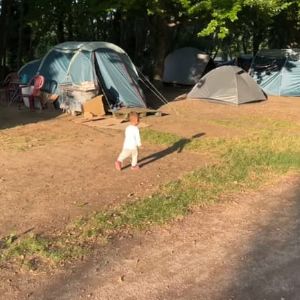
<point>232,26</point>
<point>225,12</point>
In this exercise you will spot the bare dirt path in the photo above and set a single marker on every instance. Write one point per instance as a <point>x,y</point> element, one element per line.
<point>52,183</point>
<point>247,248</point>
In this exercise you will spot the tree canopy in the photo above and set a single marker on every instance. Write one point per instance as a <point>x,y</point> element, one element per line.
<point>146,29</point>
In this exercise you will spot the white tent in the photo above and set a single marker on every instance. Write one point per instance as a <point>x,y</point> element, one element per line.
<point>186,66</point>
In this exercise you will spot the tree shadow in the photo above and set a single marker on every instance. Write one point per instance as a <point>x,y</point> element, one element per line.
<point>264,264</point>
<point>271,269</point>
<point>12,116</point>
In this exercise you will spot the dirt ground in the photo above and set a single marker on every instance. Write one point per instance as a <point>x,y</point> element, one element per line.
<point>245,249</point>
<point>53,170</point>
<point>53,182</point>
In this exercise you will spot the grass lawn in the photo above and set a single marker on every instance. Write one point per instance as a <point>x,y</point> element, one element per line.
<point>270,149</point>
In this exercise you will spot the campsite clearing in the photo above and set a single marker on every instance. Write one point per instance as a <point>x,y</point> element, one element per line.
<point>54,170</point>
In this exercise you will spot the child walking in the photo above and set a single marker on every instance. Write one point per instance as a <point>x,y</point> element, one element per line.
<point>131,143</point>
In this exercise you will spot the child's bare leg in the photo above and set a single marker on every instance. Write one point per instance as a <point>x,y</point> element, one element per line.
<point>134,157</point>
<point>123,155</point>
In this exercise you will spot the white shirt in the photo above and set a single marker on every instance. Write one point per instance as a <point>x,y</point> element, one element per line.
<point>132,138</point>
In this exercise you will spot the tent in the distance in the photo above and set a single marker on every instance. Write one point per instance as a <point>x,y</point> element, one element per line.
<point>277,71</point>
<point>186,66</point>
<point>104,66</point>
<point>228,84</point>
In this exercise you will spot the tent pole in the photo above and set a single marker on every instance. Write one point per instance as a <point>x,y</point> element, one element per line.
<point>152,88</point>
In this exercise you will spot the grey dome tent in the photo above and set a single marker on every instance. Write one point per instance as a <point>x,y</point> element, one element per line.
<point>277,71</point>
<point>186,66</point>
<point>106,65</point>
<point>229,84</point>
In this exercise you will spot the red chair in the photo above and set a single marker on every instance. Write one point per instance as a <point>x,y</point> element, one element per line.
<point>37,82</point>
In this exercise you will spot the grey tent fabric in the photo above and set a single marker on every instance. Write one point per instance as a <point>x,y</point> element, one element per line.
<point>185,66</point>
<point>229,84</point>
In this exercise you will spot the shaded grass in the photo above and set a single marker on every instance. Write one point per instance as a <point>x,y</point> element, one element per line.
<point>244,163</point>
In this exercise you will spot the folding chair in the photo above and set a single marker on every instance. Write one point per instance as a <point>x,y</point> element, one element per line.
<point>13,91</point>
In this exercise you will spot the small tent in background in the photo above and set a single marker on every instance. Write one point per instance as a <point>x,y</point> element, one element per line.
<point>277,71</point>
<point>229,84</point>
<point>105,65</point>
<point>186,66</point>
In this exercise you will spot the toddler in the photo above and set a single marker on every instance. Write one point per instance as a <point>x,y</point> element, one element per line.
<point>131,143</point>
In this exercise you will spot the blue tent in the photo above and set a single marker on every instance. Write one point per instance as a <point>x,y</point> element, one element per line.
<point>277,71</point>
<point>104,64</point>
<point>29,70</point>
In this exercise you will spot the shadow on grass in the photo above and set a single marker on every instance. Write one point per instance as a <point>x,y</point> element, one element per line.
<point>176,147</point>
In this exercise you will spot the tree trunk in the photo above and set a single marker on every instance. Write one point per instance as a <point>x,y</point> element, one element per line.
<point>160,44</point>
<point>256,42</point>
<point>140,34</point>
<point>70,22</point>
<point>60,29</point>
<point>20,36</point>
<point>4,23</point>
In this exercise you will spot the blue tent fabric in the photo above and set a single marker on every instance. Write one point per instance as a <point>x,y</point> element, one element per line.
<point>117,79</point>
<point>28,71</point>
<point>54,67</point>
<point>78,62</point>
<point>278,71</point>
<point>81,68</point>
<point>290,79</point>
